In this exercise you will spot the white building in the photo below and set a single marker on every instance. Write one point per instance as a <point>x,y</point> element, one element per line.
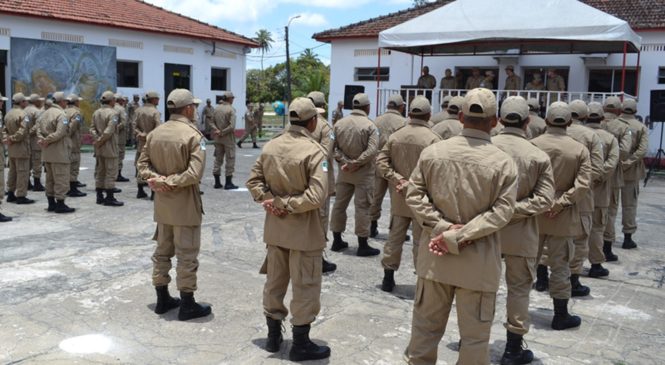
<point>354,58</point>
<point>124,45</point>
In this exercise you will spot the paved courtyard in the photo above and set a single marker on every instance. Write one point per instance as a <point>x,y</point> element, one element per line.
<point>75,289</point>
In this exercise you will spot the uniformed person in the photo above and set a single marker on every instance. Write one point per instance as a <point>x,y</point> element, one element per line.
<point>146,119</point>
<point>397,159</point>
<point>104,123</point>
<point>460,211</point>
<point>131,110</point>
<point>554,81</point>
<point>172,163</point>
<point>443,114</point>
<point>355,148</point>
<point>426,81</point>
<point>387,124</point>
<point>75,119</point>
<point>222,130</point>
<point>121,131</point>
<point>488,81</point>
<point>258,118</point>
<point>451,126</point>
<point>561,224</point>
<point>34,109</point>
<point>537,125</point>
<point>519,239</point>
<point>536,83</point>
<point>513,82</point>
<point>447,81</point>
<point>251,126</point>
<point>601,190</point>
<point>206,117</point>
<point>290,181</point>
<point>3,218</point>
<point>338,113</point>
<point>474,80</point>
<point>17,138</point>
<point>633,171</point>
<point>54,140</point>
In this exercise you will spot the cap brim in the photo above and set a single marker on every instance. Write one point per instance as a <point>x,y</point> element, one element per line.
<point>3,99</point>
<point>320,110</point>
<point>196,101</point>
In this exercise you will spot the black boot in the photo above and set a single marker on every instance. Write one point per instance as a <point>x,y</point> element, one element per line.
<point>121,178</point>
<point>218,183</point>
<point>388,283</point>
<point>229,184</point>
<point>51,204</point>
<point>239,144</point>
<point>374,229</point>
<point>607,250</point>
<point>165,302</point>
<point>562,320</point>
<point>61,207</point>
<point>542,278</point>
<point>37,186</point>
<point>111,201</point>
<point>303,348</point>
<point>152,195</point>
<point>190,309</point>
<point>327,266</point>
<point>100,196</point>
<point>254,145</point>
<point>80,184</point>
<point>141,193</point>
<point>11,198</point>
<point>274,335</point>
<point>628,242</point>
<point>597,271</point>
<point>577,289</point>
<point>364,249</point>
<point>116,190</point>
<point>23,200</point>
<point>514,354</point>
<point>4,218</point>
<point>338,243</point>
<point>30,187</point>
<point>74,192</point>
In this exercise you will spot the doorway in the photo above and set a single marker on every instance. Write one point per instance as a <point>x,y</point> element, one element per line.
<point>175,77</point>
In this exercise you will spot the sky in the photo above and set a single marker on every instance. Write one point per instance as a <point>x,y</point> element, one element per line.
<point>246,17</point>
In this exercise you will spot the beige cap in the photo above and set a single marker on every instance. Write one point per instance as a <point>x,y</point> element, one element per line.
<point>73,98</point>
<point>302,109</point>
<point>58,96</point>
<point>514,109</point>
<point>229,95</point>
<point>2,98</point>
<point>420,106</point>
<point>179,98</point>
<point>456,103</point>
<point>558,113</point>
<point>629,106</point>
<point>152,94</point>
<point>48,102</point>
<point>19,98</point>
<point>579,108</point>
<point>482,98</point>
<point>35,97</point>
<point>596,110</point>
<point>533,103</point>
<point>107,96</point>
<point>612,102</point>
<point>318,98</point>
<point>446,100</point>
<point>117,96</point>
<point>395,100</point>
<point>360,100</point>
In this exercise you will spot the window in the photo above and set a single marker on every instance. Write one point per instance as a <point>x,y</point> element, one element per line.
<point>369,74</point>
<point>609,81</point>
<point>127,73</point>
<point>219,79</point>
<point>661,75</point>
<point>528,73</point>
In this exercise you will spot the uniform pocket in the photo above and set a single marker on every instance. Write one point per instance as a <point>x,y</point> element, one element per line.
<point>487,305</point>
<point>310,268</point>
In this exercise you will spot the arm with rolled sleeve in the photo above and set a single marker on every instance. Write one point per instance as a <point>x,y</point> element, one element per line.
<point>580,186</point>
<point>315,194</point>
<point>194,172</point>
<point>424,211</point>
<point>541,198</point>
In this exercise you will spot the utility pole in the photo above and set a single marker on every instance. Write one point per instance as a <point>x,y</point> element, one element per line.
<point>288,61</point>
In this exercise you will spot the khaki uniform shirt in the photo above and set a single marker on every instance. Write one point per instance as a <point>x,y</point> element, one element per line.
<point>399,157</point>
<point>122,127</point>
<point>448,83</point>
<point>146,118</point>
<point>75,121</point>
<point>387,124</point>
<point>224,121</point>
<point>356,142</point>
<point>621,132</point>
<point>325,136</point>
<point>54,130</point>
<point>207,115</point>
<point>292,169</point>
<point>478,190</point>
<point>602,187</point>
<point>473,82</point>
<point>33,112</point>
<point>17,131</point>
<point>513,83</point>
<point>534,86</point>
<point>438,117</point>
<point>556,83</point>
<point>633,166</point>
<point>450,127</point>
<point>571,168</point>
<point>176,150</point>
<point>131,110</point>
<point>249,119</point>
<point>535,192</point>
<point>487,83</point>
<point>592,142</point>
<point>103,130</point>
<point>426,82</point>
<point>536,126</point>
<point>337,115</point>
<point>258,117</point>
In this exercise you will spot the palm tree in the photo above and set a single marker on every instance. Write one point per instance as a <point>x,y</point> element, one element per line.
<point>264,39</point>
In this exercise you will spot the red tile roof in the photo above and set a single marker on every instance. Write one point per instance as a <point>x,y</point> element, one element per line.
<point>128,14</point>
<point>640,14</point>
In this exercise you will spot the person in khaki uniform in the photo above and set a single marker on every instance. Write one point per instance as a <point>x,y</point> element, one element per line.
<point>536,83</point>
<point>560,225</point>
<point>395,163</point>
<point>73,113</point>
<point>34,111</point>
<point>104,124</point>
<point>132,107</point>
<point>355,148</point>
<point>290,181</point>
<point>601,190</point>
<point>513,82</point>
<point>251,126</point>
<point>258,118</point>
<point>554,81</point>
<point>426,81</point>
<point>172,163</point>
<point>16,137</point>
<point>121,131</point>
<point>633,171</point>
<point>387,124</point>
<point>488,80</point>
<point>451,126</point>
<point>223,131</point>
<point>474,80</point>
<point>206,117</point>
<point>537,125</point>
<point>443,114</point>
<point>338,113</point>
<point>519,239</point>
<point>459,256</point>
<point>54,140</point>
<point>619,129</point>
<point>447,81</point>
<point>146,119</point>
<point>3,218</point>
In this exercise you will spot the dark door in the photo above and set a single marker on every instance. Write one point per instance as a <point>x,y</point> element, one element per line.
<point>3,64</point>
<point>175,77</point>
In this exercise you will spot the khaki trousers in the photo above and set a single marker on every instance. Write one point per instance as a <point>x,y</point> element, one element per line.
<point>581,244</point>
<point>250,132</point>
<point>57,180</point>
<point>629,193</point>
<point>520,273</point>
<point>121,154</point>
<point>226,152</point>
<point>303,269</point>
<point>183,242</point>
<point>139,148</point>
<point>610,234</point>
<point>106,171</point>
<point>36,163</point>
<point>431,308</point>
<point>74,166</point>
<point>559,252</point>
<point>324,213</point>
<point>380,189</point>
<point>362,194</point>
<point>19,174</point>
<point>392,250</point>
<point>596,255</point>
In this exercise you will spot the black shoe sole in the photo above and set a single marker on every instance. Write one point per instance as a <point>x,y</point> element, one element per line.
<point>368,253</point>
<point>187,317</point>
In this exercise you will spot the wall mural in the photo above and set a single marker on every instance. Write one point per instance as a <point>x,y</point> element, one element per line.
<point>44,67</point>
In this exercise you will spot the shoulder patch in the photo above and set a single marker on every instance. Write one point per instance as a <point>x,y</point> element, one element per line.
<point>202,144</point>
<point>77,118</point>
<point>324,166</point>
<point>26,119</point>
<point>331,135</point>
<point>114,120</point>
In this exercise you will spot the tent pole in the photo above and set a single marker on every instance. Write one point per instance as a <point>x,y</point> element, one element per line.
<point>637,74</point>
<point>623,69</point>
<point>378,80</point>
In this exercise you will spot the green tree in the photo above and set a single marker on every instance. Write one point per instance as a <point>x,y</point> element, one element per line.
<point>419,2</point>
<point>265,41</point>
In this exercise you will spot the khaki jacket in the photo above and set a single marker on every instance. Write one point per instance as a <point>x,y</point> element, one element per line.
<point>536,126</point>
<point>571,168</point>
<point>621,132</point>
<point>556,83</point>
<point>633,166</point>
<point>224,122</point>
<point>123,126</point>
<point>250,123</point>
<point>513,83</point>
<point>207,115</point>
<point>337,115</point>
<point>55,131</point>
<point>104,123</point>
<point>535,192</point>
<point>356,142</point>
<point>292,169</point>
<point>438,117</point>
<point>602,187</point>
<point>427,82</point>
<point>17,131</point>
<point>450,127</point>
<point>131,111</point>
<point>175,150</point>
<point>399,157</point>
<point>447,83</point>
<point>146,119</point>
<point>473,82</point>
<point>34,113</point>
<point>478,190</point>
<point>592,142</point>
<point>75,121</point>
<point>387,124</point>
<point>325,136</point>
<point>533,86</point>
